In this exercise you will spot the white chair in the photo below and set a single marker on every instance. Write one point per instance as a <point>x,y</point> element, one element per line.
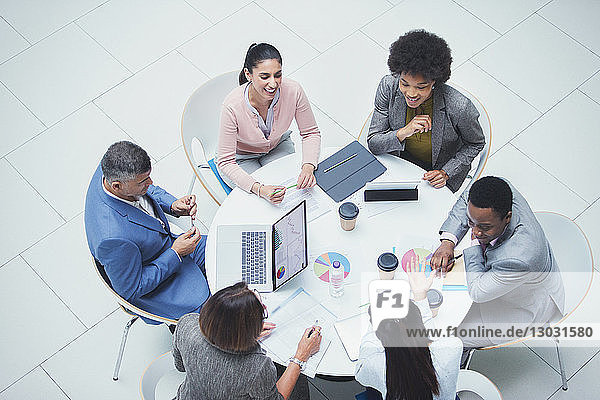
<point>486,126</point>
<point>474,382</point>
<point>200,130</point>
<point>129,309</point>
<point>575,260</point>
<point>161,367</point>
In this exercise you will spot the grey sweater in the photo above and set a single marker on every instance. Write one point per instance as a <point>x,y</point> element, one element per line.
<point>214,373</point>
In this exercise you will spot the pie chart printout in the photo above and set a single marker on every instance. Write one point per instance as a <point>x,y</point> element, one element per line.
<point>324,261</point>
<point>424,259</point>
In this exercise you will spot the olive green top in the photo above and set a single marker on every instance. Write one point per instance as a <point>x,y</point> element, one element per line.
<point>419,144</point>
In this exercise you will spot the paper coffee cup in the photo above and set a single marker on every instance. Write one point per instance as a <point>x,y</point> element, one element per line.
<point>387,264</point>
<point>348,213</point>
<point>435,299</point>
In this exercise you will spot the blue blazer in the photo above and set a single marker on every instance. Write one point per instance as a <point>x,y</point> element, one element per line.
<point>136,253</point>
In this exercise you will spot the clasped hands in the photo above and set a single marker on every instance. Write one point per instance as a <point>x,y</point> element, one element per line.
<point>419,124</point>
<point>187,241</point>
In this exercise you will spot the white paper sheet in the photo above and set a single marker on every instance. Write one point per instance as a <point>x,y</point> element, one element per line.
<point>292,317</point>
<point>317,202</point>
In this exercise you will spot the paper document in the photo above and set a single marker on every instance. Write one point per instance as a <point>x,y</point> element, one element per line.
<point>351,330</point>
<point>456,279</point>
<point>292,317</point>
<point>317,203</point>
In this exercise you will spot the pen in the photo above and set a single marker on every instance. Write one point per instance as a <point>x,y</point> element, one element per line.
<point>279,190</point>
<point>313,328</point>
<point>453,259</point>
<point>340,163</point>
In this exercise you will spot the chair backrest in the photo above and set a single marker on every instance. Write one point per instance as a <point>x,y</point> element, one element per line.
<point>474,382</point>
<point>200,129</point>
<point>125,305</point>
<point>486,126</point>
<point>573,254</point>
<point>364,131</point>
<point>153,374</point>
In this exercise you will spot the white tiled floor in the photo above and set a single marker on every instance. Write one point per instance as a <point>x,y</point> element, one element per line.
<point>78,74</point>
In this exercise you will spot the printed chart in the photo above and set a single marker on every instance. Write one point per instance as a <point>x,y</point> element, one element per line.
<point>424,256</point>
<point>324,261</point>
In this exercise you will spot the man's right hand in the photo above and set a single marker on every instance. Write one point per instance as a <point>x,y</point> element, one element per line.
<point>443,258</point>
<point>186,242</point>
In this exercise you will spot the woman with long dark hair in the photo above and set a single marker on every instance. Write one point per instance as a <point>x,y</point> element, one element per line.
<point>218,350</point>
<point>401,362</point>
<point>255,123</point>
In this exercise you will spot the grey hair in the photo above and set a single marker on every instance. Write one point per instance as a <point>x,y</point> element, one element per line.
<point>123,161</point>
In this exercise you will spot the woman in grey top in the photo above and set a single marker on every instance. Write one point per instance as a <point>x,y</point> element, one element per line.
<point>219,352</point>
<point>402,366</point>
<point>420,118</point>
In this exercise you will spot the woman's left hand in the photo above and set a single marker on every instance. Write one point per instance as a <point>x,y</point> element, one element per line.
<point>419,283</point>
<point>306,179</point>
<point>266,330</point>
<point>437,178</point>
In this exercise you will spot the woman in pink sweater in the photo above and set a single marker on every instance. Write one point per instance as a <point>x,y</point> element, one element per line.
<point>255,122</point>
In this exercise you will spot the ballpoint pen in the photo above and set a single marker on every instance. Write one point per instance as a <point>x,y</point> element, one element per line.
<point>313,328</point>
<point>340,163</point>
<point>279,190</point>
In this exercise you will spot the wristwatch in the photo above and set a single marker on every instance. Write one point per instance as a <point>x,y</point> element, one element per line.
<point>301,364</point>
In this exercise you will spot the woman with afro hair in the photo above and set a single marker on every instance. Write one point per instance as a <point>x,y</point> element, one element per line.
<point>421,119</point>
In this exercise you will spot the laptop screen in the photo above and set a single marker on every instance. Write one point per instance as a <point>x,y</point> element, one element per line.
<point>290,245</point>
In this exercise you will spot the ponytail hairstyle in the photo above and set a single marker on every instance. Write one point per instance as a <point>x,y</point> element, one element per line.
<point>409,369</point>
<point>255,54</point>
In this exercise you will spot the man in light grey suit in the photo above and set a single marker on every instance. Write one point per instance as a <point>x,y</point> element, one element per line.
<point>512,275</point>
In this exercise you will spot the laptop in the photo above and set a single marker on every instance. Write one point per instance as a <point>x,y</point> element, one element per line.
<point>264,256</point>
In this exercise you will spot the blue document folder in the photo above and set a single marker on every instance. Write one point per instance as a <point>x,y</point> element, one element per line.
<point>347,170</point>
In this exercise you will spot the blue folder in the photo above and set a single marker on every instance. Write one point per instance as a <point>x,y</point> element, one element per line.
<point>347,170</point>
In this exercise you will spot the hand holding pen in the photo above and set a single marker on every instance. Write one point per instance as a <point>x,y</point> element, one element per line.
<point>310,342</point>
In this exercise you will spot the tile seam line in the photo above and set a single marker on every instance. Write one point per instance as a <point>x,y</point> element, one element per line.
<point>587,208</point>
<point>40,239</point>
<point>217,21</point>
<point>552,175</point>
<point>35,190</point>
<point>359,30</point>
<point>505,33</point>
<point>502,84</point>
<point>476,17</point>
<point>54,292</point>
<point>292,31</point>
<point>330,117</point>
<point>15,29</point>
<point>24,105</point>
<point>567,34</point>
<point>67,24</point>
<point>56,352</point>
<point>56,383</point>
<point>15,55</point>
<point>584,364</point>
<point>113,121</point>
<point>373,40</point>
<point>103,48</point>
<point>193,65</point>
<point>586,95</point>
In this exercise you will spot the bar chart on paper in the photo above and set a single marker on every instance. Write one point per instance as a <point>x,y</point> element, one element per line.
<point>324,261</point>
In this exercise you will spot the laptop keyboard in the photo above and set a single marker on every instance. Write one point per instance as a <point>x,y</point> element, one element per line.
<point>254,258</point>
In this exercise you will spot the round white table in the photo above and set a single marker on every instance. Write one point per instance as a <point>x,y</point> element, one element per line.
<point>410,224</point>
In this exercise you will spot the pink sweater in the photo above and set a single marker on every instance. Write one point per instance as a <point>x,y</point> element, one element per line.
<point>239,132</point>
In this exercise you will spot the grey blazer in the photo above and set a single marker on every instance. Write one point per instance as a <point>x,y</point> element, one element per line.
<point>456,136</point>
<point>516,280</point>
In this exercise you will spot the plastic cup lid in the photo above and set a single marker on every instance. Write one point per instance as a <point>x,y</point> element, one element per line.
<point>387,262</point>
<point>434,297</point>
<point>348,210</point>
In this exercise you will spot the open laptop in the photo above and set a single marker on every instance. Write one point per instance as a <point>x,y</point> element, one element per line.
<point>263,256</point>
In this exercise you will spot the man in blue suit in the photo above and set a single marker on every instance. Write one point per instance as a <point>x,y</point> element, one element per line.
<point>128,233</point>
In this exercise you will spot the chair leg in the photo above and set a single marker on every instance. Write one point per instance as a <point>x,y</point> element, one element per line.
<point>122,348</point>
<point>563,375</point>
